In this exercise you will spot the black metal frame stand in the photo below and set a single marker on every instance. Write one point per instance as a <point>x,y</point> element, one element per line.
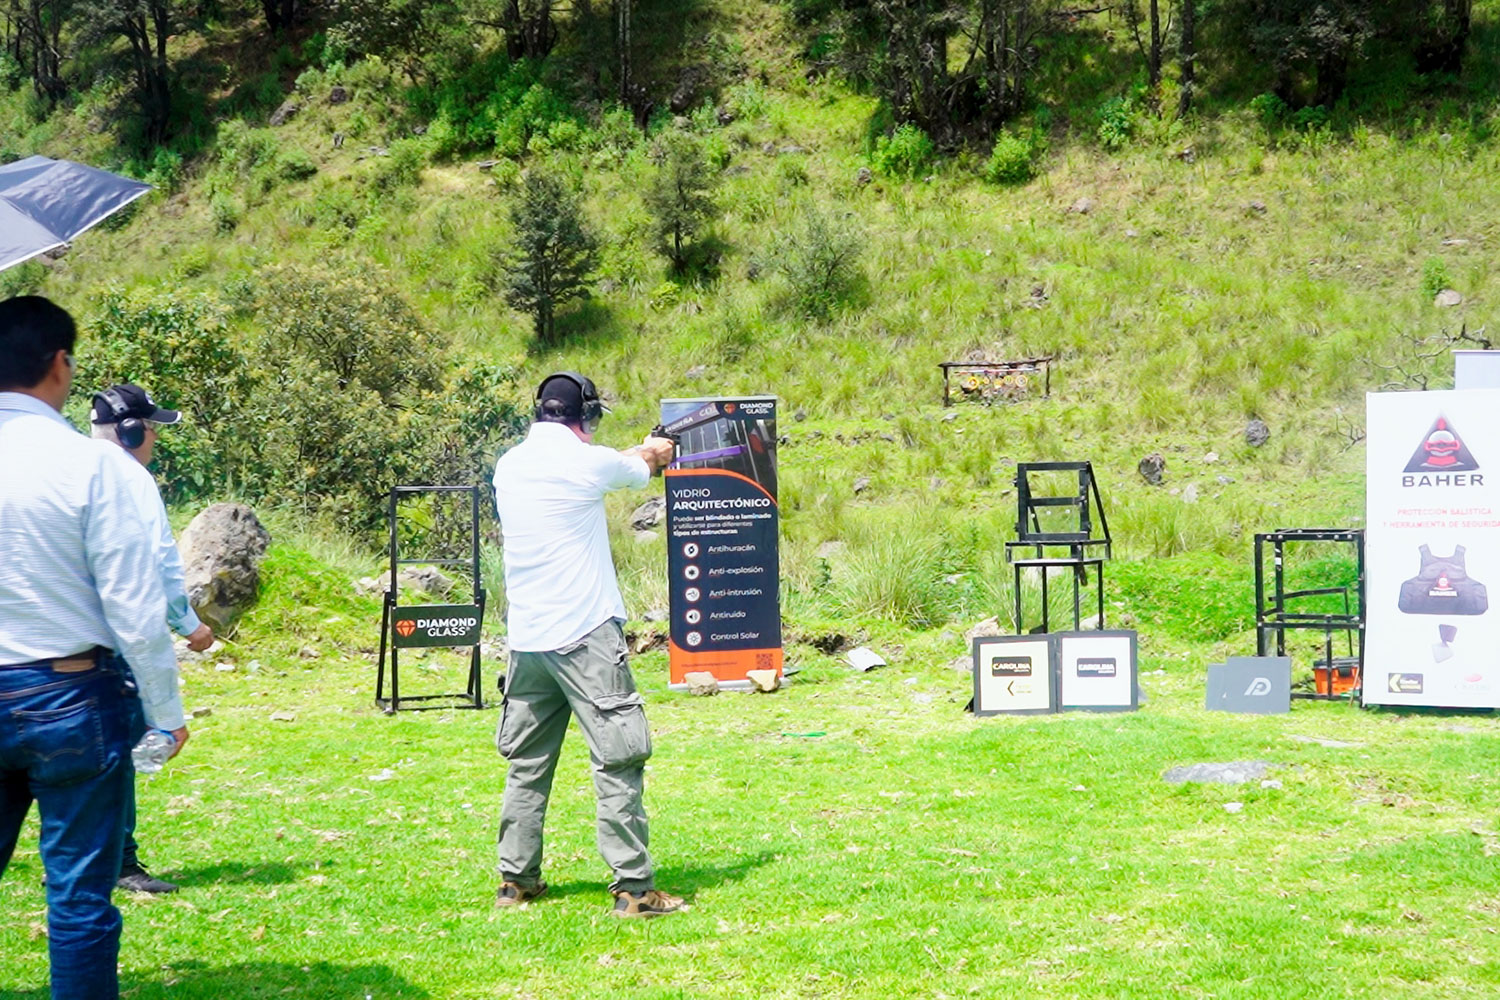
<point>473,695</point>
<point>1077,544</point>
<point>1273,617</point>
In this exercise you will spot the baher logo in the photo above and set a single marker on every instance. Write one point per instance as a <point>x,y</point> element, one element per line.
<point>406,627</point>
<point>1442,459</point>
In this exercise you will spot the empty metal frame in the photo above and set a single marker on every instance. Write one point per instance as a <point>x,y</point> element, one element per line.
<point>1078,548</point>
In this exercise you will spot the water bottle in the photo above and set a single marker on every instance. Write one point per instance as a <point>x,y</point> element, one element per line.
<point>152,751</point>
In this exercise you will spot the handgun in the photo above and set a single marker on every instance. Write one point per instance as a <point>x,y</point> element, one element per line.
<point>660,431</point>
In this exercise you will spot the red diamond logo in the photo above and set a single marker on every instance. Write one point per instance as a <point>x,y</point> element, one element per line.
<point>406,627</point>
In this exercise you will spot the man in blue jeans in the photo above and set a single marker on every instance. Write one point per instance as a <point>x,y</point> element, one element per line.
<point>80,594</point>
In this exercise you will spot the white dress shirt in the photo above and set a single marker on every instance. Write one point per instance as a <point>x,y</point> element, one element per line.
<point>559,576</point>
<point>143,488</point>
<point>78,567</point>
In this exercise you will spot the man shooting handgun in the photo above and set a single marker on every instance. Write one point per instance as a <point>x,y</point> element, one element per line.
<point>568,654</point>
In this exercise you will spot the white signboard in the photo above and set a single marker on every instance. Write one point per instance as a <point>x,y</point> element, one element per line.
<point>1097,670</point>
<point>1013,673</point>
<point>1432,548</point>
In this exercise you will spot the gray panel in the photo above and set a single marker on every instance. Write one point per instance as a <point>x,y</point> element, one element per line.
<point>1253,685</point>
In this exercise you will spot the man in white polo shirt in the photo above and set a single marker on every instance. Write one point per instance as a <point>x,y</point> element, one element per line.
<point>80,594</point>
<point>568,654</point>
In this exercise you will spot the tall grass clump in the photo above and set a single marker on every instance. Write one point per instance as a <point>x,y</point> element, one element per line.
<point>896,576</point>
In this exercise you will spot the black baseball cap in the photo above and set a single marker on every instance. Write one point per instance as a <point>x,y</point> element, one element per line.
<point>134,402</point>
<point>570,392</point>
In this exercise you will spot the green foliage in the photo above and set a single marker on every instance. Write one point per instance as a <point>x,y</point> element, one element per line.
<point>554,253</point>
<point>295,165</point>
<point>403,28</point>
<point>906,152</point>
<point>501,105</point>
<point>1270,109</point>
<point>1116,123</point>
<point>23,279</point>
<point>1434,277</point>
<point>350,325</point>
<point>680,195</point>
<point>1013,159</point>
<point>183,352</point>
<point>342,392</point>
<point>819,260</point>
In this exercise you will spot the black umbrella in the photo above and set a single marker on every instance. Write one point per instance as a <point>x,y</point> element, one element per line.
<point>46,203</point>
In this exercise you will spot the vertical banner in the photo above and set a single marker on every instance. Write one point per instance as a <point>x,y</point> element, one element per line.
<point>1432,548</point>
<point>722,530</point>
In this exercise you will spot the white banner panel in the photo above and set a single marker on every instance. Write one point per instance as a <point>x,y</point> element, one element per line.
<point>1432,548</point>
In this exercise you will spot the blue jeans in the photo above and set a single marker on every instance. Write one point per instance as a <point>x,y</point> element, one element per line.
<point>64,744</point>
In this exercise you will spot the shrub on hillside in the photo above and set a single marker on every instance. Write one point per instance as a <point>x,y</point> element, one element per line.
<point>906,152</point>
<point>819,260</point>
<point>1116,123</point>
<point>1434,277</point>
<point>1012,161</point>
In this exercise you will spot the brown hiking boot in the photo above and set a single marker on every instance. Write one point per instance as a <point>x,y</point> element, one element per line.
<point>651,903</point>
<point>515,894</point>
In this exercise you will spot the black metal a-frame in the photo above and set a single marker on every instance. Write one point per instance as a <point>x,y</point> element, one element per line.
<point>415,625</point>
<point>1276,615</point>
<point>1077,548</point>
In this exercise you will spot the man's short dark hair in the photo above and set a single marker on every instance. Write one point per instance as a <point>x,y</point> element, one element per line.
<point>32,330</point>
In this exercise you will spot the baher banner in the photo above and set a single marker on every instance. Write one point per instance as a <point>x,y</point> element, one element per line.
<point>1432,547</point>
<point>722,530</point>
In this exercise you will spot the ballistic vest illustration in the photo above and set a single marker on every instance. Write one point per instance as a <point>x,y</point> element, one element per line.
<point>1443,587</point>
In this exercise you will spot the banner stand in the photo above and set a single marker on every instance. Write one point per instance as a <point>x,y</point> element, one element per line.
<point>430,625</point>
<point>1432,549</point>
<point>723,528</point>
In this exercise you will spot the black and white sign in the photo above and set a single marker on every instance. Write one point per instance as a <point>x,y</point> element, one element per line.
<point>1013,674</point>
<point>1097,671</point>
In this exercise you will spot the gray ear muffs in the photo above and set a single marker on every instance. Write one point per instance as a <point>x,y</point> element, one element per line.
<point>131,430</point>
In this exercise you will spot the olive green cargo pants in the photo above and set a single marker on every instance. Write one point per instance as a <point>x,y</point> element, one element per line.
<point>590,679</point>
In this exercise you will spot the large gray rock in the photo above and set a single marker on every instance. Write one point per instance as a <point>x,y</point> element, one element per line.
<point>1152,468</point>
<point>1235,772</point>
<point>1257,433</point>
<point>649,514</point>
<point>221,551</point>
<point>285,113</point>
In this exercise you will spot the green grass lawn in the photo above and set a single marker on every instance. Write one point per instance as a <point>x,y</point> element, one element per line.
<point>853,835</point>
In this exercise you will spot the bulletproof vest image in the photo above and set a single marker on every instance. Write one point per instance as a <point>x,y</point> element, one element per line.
<point>1443,587</point>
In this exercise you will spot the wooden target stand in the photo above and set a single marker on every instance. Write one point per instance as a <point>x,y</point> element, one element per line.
<point>407,626</point>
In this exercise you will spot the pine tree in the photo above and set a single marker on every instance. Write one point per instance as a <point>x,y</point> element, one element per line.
<point>681,195</point>
<point>554,253</point>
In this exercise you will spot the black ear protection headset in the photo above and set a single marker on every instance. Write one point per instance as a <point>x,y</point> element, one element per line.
<point>593,407</point>
<point>131,430</point>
